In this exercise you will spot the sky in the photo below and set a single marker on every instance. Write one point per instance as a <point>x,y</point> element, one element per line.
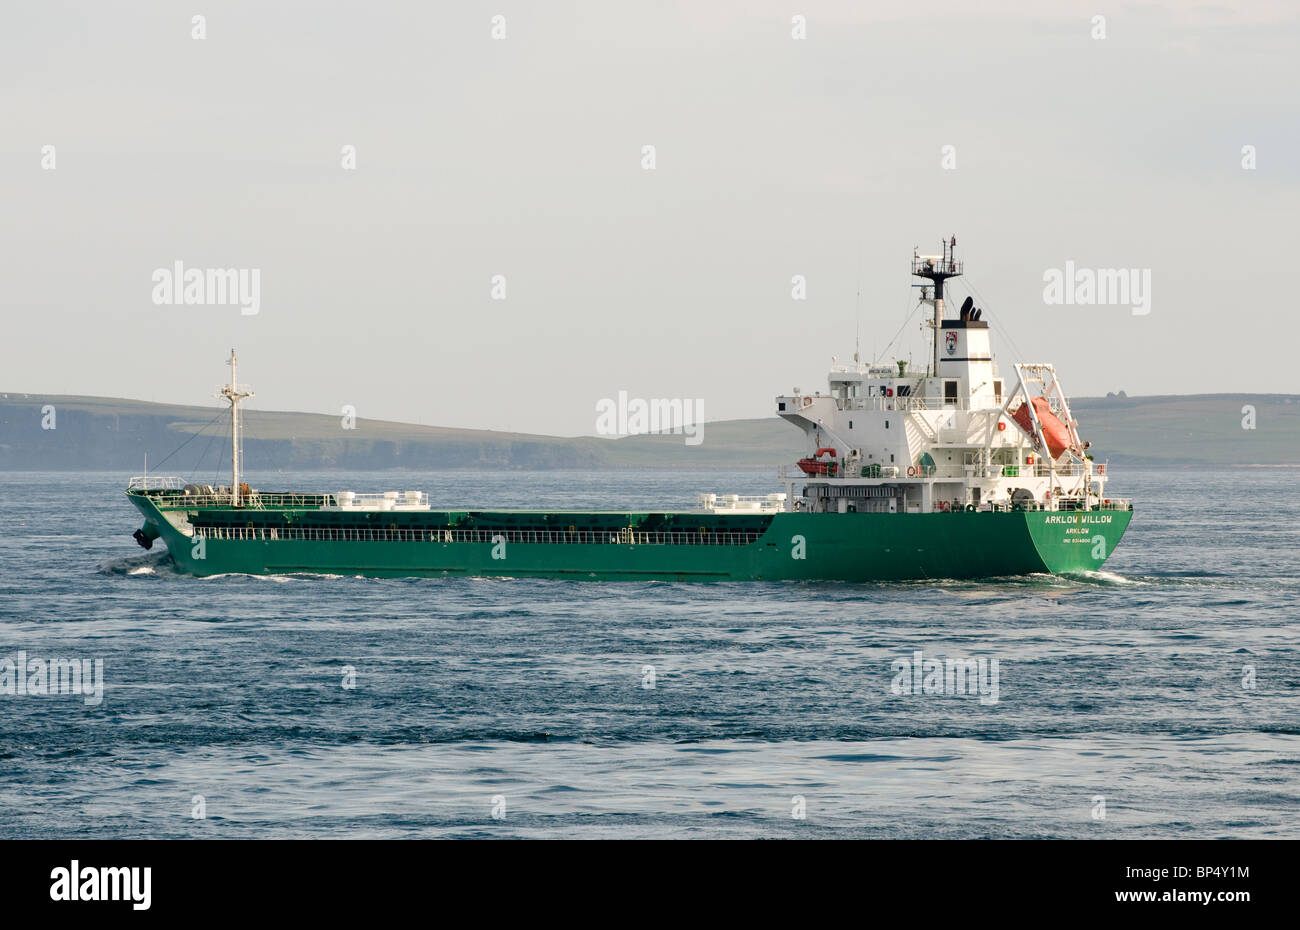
<point>502,254</point>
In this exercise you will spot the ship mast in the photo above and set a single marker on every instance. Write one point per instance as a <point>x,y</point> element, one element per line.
<point>938,268</point>
<point>232,393</point>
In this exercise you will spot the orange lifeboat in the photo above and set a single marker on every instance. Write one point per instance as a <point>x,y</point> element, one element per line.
<point>811,465</point>
<point>1054,431</point>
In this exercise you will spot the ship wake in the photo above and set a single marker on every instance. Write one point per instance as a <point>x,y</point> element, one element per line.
<point>1104,579</point>
<point>149,564</point>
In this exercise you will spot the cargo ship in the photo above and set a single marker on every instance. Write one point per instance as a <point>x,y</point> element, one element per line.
<point>954,471</point>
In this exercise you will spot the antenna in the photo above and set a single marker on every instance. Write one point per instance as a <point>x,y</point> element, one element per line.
<point>857,344</point>
<point>232,393</point>
<point>938,268</point>
<point>857,315</point>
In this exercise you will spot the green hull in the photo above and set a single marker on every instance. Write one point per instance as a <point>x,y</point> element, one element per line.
<point>784,546</point>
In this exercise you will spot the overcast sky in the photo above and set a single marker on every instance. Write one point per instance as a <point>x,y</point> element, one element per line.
<point>523,157</point>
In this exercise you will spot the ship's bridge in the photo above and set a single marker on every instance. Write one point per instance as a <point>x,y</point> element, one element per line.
<point>950,434</point>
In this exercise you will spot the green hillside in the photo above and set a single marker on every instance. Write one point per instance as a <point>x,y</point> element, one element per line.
<point>1192,429</point>
<point>92,433</point>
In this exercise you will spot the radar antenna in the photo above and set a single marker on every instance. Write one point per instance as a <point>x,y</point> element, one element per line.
<point>937,268</point>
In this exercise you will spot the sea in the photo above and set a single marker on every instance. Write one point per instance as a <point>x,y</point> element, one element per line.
<point>1157,698</point>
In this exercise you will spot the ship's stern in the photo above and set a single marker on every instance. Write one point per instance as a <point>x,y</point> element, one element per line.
<point>156,526</point>
<point>1077,541</point>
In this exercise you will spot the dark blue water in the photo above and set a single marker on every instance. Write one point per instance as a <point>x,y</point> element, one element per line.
<point>1125,685</point>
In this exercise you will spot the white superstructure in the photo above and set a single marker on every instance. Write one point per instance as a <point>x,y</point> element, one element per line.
<point>887,439</point>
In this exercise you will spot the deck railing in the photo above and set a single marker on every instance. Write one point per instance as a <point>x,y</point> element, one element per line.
<point>178,495</point>
<point>385,500</point>
<point>179,499</point>
<point>1066,504</point>
<point>742,503</point>
<point>893,472</point>
<point>625,536</point>
<point>155,483</point>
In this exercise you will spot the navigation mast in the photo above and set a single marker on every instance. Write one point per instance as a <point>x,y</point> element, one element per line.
<point>938,268</point>
<point>232,393</point>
